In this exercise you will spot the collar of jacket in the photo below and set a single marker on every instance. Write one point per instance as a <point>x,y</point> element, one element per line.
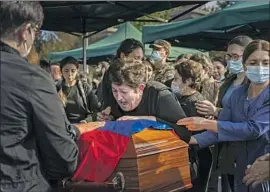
<point>8,49</point>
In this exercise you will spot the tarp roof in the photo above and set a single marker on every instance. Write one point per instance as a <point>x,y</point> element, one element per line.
<point>109,45</point>
<point>90,16</point>
<point>213,31</point>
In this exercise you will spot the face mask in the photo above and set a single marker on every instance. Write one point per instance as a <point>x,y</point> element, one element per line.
<point>257,74</point>
<point>235,67</point>
<point>222,78</point>
<point>27,50</point>
<point>175,88</point>
<point>155,56</point>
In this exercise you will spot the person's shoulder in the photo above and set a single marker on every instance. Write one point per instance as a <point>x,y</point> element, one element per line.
<point>158,88</point>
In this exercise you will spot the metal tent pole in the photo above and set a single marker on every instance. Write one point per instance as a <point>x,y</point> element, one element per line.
<point>85,45</point>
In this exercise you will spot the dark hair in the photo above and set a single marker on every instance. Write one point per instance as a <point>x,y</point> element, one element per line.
<point>240,40</point>
<point>190,70</point>
<point>13,14</point>
<point>133,73</point>
<point>254,46</point>
<point>127,46</point>
<point>221,60</point>
<point>45,65</point>
<point>69,60</point>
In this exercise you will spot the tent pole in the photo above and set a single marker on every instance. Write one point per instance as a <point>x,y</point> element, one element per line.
<point>85,45</point>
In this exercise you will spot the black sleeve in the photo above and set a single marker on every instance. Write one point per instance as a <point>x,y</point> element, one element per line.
<point>107,96</point>
<point>93,106</point>
<point>55,135</point>
<point>169,111</point>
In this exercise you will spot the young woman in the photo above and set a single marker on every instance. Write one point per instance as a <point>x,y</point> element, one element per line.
<point>220,69</point>
<point>236,78</point>
<point>80,102</point>
<point>243,124</point>
<point>135,98</point>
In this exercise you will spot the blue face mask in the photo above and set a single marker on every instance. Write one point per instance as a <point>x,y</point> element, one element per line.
<point>235,67</point>
<point>156,56</point>
<point>257,74</point>
<point>175,88</point>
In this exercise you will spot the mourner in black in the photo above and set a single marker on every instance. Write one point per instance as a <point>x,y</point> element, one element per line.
<point>81,104</point>
<point>37,142</point>
<point>136,99</point>
<point>130,49</point>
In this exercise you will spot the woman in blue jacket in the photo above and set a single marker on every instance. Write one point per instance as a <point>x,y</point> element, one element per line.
<point>243,124</point>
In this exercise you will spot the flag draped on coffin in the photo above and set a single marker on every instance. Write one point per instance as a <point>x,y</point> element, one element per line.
<point>101,149</point>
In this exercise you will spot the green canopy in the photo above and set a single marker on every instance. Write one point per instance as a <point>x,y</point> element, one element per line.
<point>213,31</point>
<point>109,45</point>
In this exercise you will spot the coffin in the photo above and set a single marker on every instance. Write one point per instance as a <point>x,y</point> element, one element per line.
<point>155,161</point>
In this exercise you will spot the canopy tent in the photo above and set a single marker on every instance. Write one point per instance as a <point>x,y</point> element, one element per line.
<point>109,45</point>
<point>213,31</point>
<point>95,16</point>
<point>92,16</point>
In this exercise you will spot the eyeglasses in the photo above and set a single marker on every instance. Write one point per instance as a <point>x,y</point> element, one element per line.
<point>36,30</point>
<point>233,57</point>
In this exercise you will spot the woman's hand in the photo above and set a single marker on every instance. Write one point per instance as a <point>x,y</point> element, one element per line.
<point>193,141</point>
<point>136,118</point>
<point>258,172</point>
<point>206,108</point>
<point>197,124</point>
<point>105,115</point>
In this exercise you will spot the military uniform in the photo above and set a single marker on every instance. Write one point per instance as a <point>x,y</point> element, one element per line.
<point>163,74</point>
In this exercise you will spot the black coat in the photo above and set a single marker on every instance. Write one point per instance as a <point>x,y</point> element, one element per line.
<point>37,142</point>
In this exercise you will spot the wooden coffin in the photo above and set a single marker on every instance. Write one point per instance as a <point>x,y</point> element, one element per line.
<point>155,161</point>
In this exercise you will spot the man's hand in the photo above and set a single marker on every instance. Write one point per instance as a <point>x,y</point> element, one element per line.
<point>258,172</point>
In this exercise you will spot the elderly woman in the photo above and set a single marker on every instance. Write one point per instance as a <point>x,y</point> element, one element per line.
<point>243,124</point>
<point>136,99</point>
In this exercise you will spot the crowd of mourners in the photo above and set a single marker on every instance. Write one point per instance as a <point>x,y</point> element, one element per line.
<point>220,106</point>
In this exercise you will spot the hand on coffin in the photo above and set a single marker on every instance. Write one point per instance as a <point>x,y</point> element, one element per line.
<point>83,121</point>
<point>86,127</point>
<point>152,118</point>
<point>105,115</point>
<point>194,123</point>
<point>257,173</point>
<point>206,108</point>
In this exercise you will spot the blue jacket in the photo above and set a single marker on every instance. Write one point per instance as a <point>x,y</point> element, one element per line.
<point>243,130</point>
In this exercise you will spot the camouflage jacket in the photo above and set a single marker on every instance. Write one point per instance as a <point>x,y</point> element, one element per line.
<point>164,74</point>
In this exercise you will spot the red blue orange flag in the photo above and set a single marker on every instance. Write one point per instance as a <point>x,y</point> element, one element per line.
<point>101,149</point>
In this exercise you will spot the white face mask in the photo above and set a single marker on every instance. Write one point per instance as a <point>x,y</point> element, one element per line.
<point>257,74</point>
<point>26,49</point>
<point>175,88</point>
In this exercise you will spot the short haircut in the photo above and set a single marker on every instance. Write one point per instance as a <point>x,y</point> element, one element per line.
<point>13,14</point>
<point>241,40</point>
<point>69,60</point>
<point>132,74</point>
<point>190,70</point>
<point>127,46</point>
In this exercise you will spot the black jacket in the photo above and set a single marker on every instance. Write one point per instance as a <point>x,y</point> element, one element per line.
<point>37,142</point>
<point>160,102</point>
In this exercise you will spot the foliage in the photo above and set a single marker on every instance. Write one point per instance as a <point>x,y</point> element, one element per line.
<point>33,57</point>
<point>63,42</point>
